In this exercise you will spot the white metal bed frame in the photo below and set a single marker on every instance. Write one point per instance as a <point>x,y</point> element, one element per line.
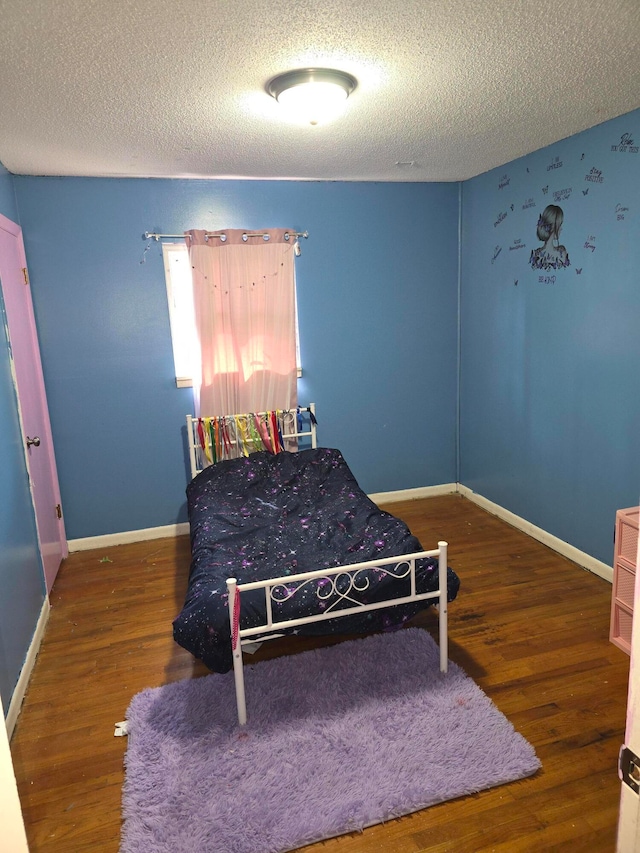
<point>334,587</point>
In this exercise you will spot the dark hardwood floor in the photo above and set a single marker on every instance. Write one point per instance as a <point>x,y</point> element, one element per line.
<point>529,626</point>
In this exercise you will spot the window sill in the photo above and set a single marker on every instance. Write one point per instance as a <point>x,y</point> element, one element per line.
<point>187,382</point>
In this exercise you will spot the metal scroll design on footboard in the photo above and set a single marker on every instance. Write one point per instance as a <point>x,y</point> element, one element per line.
<point>340,587</point>
<point>336,592</point>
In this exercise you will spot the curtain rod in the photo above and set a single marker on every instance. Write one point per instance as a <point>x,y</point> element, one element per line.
<point>149,235</point>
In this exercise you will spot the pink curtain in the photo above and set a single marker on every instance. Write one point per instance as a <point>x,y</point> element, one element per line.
<point>244,299</point>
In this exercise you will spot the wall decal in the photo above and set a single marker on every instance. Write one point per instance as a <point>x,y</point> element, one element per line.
<point>578,271</point>
<point>584,192</point>
<point>504,181</point>
<point>551,255</point>
<point>501,217</point>
<point>517,244</point>
<point>620,211</point>
<point>545,190</point>
<point>496,252</point>
<point>595,176</point>
<point>590,243</point>
<point>562,195</point>
<point>530,202</point>
<point>547,279</point>
<point>556,163</point>
<point>627,145</point>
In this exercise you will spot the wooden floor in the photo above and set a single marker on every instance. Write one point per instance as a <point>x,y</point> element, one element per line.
<point>529,626</point>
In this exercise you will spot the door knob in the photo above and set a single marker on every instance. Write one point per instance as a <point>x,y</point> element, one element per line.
<point>35,441</point>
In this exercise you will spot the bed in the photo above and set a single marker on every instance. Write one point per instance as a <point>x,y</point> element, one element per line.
<point>283,540</point>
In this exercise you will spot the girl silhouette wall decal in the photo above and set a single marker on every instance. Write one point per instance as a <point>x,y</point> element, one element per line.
<point>551,255</point>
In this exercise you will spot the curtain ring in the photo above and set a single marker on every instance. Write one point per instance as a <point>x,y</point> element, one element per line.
<point>266,238</point>
<point>244,238</point>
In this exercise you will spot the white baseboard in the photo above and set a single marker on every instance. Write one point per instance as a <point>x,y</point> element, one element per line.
<point>128,536</point>
<point>414,494</point>
<point>569,551</point>
<point>25,673</point>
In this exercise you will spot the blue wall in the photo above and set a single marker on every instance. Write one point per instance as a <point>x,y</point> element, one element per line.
<point>549,403</point>
<point>377,294</point>
<point>21,577</point>
<point>550,378</point>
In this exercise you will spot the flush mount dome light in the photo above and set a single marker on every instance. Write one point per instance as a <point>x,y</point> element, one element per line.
<point>313,95</point>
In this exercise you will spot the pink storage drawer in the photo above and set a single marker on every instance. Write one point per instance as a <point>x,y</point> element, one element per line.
<point>621,626</point>
<point>624,585</point>
<point>627,535</point>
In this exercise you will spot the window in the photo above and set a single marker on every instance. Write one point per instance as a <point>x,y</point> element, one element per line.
<point>177,270</point>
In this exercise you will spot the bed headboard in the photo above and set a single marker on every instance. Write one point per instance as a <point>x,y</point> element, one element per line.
<point>212,439</point>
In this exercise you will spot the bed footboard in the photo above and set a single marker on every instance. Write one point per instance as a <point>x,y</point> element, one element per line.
<point>336,591</point>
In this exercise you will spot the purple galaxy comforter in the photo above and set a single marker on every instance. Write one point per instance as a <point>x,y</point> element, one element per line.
<point>268,516</point>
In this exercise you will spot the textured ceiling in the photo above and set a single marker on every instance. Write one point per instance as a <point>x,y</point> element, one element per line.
<point>447,89</point>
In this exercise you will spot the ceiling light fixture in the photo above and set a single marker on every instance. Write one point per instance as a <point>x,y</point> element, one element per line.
<point>312,95</point>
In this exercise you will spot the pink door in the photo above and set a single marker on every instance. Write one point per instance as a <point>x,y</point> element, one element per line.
<point>32,399</point>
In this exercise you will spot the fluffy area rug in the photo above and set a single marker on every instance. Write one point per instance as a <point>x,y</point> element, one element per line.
<point>337,739</point>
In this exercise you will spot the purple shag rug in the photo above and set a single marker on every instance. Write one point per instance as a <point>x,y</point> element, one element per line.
<point>337,739</point>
